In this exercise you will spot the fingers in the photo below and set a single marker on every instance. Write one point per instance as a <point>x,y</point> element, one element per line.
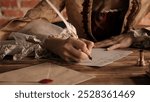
<point>67,56</point>
<point>72,54</point>
<point>105,43</point>
<point>74,50</point>
<point>113,47</point>
<point>78,44</point>
<point>70,50</point>
<point>89,44</point>
<point>79,49</point>
<point>123,43</point>
<point>85,47</point>
<point>109,42</point>
<point>78,54</point>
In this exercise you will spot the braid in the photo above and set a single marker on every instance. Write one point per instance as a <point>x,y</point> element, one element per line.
<point>136,5</point>
<point>85,14</point>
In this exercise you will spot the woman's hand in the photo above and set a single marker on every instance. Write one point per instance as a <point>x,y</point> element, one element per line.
<point>120,41</point>
<point>71,49</point>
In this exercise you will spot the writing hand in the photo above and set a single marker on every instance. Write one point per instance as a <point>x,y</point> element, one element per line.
<point>71,49</point>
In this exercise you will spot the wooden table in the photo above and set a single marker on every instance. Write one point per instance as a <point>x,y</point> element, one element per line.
<point>121,72</point>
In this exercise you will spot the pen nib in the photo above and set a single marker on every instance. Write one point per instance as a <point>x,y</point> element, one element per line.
<point>90,57</point>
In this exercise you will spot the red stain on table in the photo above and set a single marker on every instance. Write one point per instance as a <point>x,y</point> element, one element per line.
<point>45,81</point>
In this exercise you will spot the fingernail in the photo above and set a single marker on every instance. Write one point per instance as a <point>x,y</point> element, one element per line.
<point>107,49</point>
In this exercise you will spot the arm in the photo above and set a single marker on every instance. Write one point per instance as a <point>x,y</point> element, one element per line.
<point>62,44</point>
<point>70,49</point>
<point>132,36</point>
<point>42,10</point>
<point>34,23</point>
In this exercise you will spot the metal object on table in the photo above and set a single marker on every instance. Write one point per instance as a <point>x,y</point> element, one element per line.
<point>148,71</point>
<point>141,59</point>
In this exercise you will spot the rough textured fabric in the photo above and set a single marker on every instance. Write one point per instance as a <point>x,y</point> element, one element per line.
<point>20,46</point>
<point>79,14</point>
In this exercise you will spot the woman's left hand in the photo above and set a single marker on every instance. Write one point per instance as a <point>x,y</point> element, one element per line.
<point>120,41</point>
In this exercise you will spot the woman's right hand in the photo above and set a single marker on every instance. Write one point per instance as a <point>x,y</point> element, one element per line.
<point>71,49</point>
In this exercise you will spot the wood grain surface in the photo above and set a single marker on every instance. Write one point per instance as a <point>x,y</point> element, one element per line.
<point>121,72</point>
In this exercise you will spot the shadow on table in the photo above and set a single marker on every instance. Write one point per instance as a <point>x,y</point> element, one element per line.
<point>141,79</point>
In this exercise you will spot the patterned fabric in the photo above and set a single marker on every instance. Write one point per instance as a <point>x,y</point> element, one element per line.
<point>80,15</point>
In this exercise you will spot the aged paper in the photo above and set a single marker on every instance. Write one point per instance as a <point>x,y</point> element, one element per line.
<point>101,57</point>
<point>33,74</point>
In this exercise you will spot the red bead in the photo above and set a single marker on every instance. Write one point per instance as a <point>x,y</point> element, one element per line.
<point>45,81</point>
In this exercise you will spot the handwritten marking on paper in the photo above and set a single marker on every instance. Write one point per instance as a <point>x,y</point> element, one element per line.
<point>101,57</point>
